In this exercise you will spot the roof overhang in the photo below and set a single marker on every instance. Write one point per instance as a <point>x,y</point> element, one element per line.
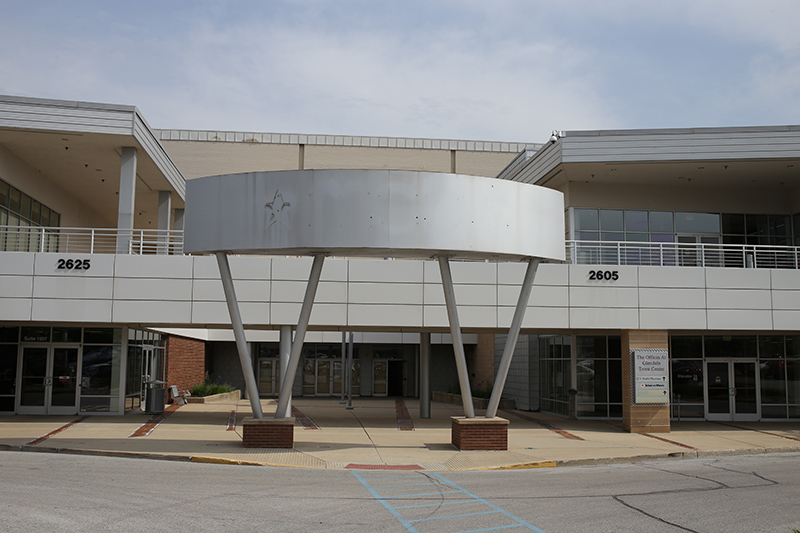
<point>77,145</point>
<point>766,156</point>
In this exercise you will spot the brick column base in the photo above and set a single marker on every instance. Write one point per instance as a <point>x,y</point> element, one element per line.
<point>268,432</point>
<point>479,433</point>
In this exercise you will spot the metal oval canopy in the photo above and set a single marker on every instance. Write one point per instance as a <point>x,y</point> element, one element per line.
<point>373,213</point>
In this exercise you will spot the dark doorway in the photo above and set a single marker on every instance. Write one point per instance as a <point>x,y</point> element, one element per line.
<point>395,378</point>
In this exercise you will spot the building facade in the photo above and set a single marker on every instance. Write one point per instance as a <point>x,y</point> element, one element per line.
<point>680,243</point>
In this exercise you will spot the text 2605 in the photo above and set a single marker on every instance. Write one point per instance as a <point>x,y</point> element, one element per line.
<point>607,275</point>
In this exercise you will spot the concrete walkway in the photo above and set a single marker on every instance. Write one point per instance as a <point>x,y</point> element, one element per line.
<point>369,436</point>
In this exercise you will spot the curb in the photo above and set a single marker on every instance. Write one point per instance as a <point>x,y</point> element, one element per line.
<point>699,454</point>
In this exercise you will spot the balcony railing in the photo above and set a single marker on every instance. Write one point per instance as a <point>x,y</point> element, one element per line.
<point>145,242</point>
<point>682,254</point>
<point>90,240</point>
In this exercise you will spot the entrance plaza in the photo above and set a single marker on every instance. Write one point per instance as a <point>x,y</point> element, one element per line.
<point>374,436</point>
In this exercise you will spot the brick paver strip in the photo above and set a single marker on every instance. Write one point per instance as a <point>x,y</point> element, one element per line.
<point>148,427</point>
<point>404,422</point>
<point>547,425</point>
<point>760,431</point>
<point>56,431</point>
<point>304,420</point>
<point>668,440</point>
<point>231,421</point>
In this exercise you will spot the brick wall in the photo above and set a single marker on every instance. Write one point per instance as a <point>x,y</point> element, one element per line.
<point>641,418</point>
<point>186,362</point>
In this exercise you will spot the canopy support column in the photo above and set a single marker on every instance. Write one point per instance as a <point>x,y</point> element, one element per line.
<point>513,335</point>
<point>299,336</point>
<point>458,343</point>
<point>238,333</point>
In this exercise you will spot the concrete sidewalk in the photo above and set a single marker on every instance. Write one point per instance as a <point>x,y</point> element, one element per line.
<point>369,437</point>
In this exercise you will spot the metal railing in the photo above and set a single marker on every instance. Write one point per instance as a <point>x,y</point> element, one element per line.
<point>150,242</point>
<point>90,240</point>
<point>682,254</point>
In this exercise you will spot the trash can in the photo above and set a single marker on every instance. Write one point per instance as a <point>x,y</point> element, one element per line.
<point>156,395</point>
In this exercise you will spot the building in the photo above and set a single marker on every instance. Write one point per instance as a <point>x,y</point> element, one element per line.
<point>680,242</point>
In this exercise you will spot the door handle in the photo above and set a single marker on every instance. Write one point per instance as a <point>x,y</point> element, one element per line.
<point>732,392</point>
<point>48,381</point>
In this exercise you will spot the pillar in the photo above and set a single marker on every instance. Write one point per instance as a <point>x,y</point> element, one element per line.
<point>164,215</point>
<point>424,375</point>
<point>642,418</point>
<point>127,199</point>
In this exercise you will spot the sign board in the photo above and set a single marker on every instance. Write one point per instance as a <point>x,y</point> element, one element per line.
<point>651,376</point>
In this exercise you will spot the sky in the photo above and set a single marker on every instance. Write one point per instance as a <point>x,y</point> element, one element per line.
<point>502,70</point>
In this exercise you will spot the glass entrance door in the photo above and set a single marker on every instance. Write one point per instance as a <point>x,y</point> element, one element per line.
<point>324,382</point>
<point>269,383</point>
<point>732,390</point>
<point>48,380</point>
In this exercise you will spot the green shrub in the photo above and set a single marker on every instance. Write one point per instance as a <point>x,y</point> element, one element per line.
<point>209,388</point>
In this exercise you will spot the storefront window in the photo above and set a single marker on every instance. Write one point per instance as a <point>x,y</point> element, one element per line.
<point>599,375</point>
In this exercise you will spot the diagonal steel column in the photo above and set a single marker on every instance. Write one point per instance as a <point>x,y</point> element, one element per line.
<point>513,335</point>
<point>455,331</point>
<point>238,333</point>
<point>285,350</point>
<point>299,337</point>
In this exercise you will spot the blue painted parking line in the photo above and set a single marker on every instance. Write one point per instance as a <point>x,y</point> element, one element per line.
<point>436,479</point>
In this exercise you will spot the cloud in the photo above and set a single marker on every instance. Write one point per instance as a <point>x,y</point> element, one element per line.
<point>505,70</point>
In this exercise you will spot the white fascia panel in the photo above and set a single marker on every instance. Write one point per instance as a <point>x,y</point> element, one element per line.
<point>473,272</point>
<point>210,313</point>
<point>16,286</point>
<point>154,266</point>
<point>71,310</point>
<point>152,312</point>
<point>253,268</point>
<point>385,293</point>
<point>546,274</point>
<point>786,300</point>
<point>291,268</point>
<point>156,290</point>
<point>377,270</point>
<point>672,277</point>
<point>329,314</point>
<point>739,299</point>
<point>74,288</point>
<point>16,263</point>
<point>246,290</point>
<point>435,316</point>
<point>471,316</point>
<point>385,315</point>
<point>100,265</point>
<point>737,278</point>
<point>672,318</point>
<point>603,297</point>
<point>255,313</point>
<point>535,317</point>
<point>786,320</point>
<point>285,313</point>
<point>740,319</point>
<point>594,318</point>
<point>581,276</point>
<point>206,267</point>
<point>15,308</point>
<point>508,295</point>
<point>785,279</point>
<point>672,298</point>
